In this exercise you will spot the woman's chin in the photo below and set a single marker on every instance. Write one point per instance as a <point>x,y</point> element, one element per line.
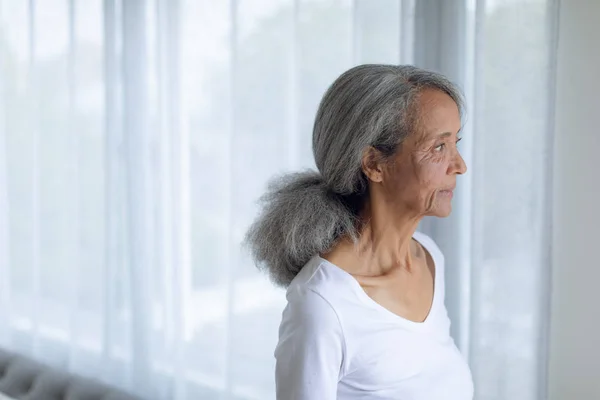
<point>441,211</point>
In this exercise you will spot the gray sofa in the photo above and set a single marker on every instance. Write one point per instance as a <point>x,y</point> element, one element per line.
<point>25,379</point>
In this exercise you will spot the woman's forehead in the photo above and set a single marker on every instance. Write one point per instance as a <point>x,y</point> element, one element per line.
<point>438,114</point>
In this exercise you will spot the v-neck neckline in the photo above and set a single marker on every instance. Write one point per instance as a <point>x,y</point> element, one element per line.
<point>365,298</point>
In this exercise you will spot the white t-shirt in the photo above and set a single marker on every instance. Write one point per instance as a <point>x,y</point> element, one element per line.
<point>335,342</point>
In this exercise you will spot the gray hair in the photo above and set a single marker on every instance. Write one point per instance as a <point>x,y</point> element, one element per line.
<point>305,213</point>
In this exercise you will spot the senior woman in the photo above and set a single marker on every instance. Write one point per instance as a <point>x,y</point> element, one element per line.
<point>365,317</point>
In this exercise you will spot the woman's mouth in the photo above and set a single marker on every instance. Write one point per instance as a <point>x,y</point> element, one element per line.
<point>447,193</point>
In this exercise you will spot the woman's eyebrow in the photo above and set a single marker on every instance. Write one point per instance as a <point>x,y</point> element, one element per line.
<point>442,135</point>
<point>446,134</point>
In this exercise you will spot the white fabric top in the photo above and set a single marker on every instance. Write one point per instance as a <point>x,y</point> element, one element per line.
<point>335,342</point>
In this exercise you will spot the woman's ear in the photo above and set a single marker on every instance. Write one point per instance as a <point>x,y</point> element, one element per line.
<point>372,164</point>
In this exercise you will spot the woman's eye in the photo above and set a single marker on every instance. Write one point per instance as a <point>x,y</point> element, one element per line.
<point>440,147</point>
<point>458,140</point>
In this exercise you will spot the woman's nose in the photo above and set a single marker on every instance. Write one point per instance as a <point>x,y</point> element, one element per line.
<point>460,167</point>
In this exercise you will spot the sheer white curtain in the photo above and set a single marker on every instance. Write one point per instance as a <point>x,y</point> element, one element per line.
<point>136,135</point>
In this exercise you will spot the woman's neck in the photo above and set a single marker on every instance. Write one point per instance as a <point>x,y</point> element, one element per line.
<point>384,244</point>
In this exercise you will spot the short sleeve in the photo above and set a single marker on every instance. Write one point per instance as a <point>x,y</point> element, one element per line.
<point>310,351</point>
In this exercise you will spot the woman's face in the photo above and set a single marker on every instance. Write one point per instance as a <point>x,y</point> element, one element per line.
<point>421,177</point>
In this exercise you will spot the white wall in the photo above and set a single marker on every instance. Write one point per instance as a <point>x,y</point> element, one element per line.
<point>575,328</point>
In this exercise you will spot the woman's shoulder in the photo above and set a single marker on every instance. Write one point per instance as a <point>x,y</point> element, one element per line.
<point>319,290</point>
<point>309,314</point>
<point>319,276</point>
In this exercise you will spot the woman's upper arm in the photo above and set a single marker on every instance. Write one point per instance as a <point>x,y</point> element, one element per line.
<point>310,351</point>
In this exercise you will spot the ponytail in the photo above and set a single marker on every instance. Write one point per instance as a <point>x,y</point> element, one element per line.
<point>300,218</point>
